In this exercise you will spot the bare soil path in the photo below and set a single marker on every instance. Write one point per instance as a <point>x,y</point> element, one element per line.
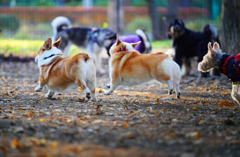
<point>133,121</point>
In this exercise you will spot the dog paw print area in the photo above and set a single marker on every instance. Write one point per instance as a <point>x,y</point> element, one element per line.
<point>141,120</point>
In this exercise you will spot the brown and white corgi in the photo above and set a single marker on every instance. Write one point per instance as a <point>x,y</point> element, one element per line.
<point>61,74</point>
<point>128,67</point>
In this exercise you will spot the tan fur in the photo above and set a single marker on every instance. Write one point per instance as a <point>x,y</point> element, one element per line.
<point>133,64</point>
<point>61,73</point>
<point>128,67</point>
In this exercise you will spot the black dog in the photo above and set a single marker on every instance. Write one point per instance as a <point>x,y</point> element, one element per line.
<point>188,44</point>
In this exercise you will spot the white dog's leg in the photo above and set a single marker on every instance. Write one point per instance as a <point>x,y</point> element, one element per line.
<point>50,94</point>
<point>236,93</point>
<point>66,51</point>
<point>87,93</point>
<point>109,85</point>
<point>177,90</point>
<point>98,61</point>
<point>112,88</point>
<point>170,86</point>
<point>90,52</point>
<point>91,86</point>
<point>39,88</point>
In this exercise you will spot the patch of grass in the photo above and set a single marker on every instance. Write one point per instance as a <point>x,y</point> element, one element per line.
<point>20,47</point>
<point>161,44</point>
<point>30,47</point>
<point>27,47</point>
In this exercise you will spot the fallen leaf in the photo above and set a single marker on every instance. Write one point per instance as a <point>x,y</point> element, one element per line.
<point>164,109</point>
<point>53,144</point>
<point>15,144</point>
<point>125,124</point>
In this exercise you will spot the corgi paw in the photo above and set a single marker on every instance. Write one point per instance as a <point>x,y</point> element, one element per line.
<point>48,96</point>
<point>88,95</point>
<point>108,92</point>
<point>38,89</point>
<point>93,98</point>
<point>109,85</point>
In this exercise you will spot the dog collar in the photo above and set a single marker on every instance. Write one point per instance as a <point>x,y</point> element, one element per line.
<point>50,56</point>
<point>122,49</point>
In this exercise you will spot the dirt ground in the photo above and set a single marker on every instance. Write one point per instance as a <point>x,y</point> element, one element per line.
<point>133,121</point>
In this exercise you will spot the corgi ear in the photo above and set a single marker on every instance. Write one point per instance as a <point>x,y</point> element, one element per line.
<point>47,44</point>
<point>134,45</point>
<point>118,41</point>
<point>216,47</point>
<point>213,52</point>
<point>57,43</point>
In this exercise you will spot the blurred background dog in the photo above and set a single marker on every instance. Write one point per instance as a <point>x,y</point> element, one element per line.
<point>91,39</point>
<point>188,44</point>
<point>144,47</point>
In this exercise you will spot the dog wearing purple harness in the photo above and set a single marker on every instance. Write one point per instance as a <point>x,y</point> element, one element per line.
<point>228,65</point>
<point>144,47</point>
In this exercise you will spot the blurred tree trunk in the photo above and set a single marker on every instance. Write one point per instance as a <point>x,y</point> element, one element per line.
<point>231,26</point>
<point>154,15</point>
<point>116,15</point>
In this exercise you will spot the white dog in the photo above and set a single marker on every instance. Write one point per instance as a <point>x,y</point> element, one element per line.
<point>228,65</point>
<point>61,74</point>
<point>129,67</point>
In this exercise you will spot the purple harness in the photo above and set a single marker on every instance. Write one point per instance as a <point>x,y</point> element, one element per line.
<point>132,39</point>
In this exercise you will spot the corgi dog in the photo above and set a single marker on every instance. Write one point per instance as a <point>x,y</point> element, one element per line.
<point>128,67</point>
<point>61,74</point>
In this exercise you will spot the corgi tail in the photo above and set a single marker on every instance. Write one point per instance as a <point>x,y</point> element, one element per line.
<point>58,23</point>
<point>177,72</point>
<point>146,40</point>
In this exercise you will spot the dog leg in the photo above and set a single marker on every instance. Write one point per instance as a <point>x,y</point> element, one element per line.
<point>236,93</point>
<point>87,93</point>
<point>112,88</point>
<point>82,84</point>
<point>66,51</point>
<point>109,85</point>
<point>186,66</point>
<point>39,87</point>
<point>170,86</point>
<point>91,86</point>
<point>177,90</point>
<point>50,94</point>
<point>115,82</point>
